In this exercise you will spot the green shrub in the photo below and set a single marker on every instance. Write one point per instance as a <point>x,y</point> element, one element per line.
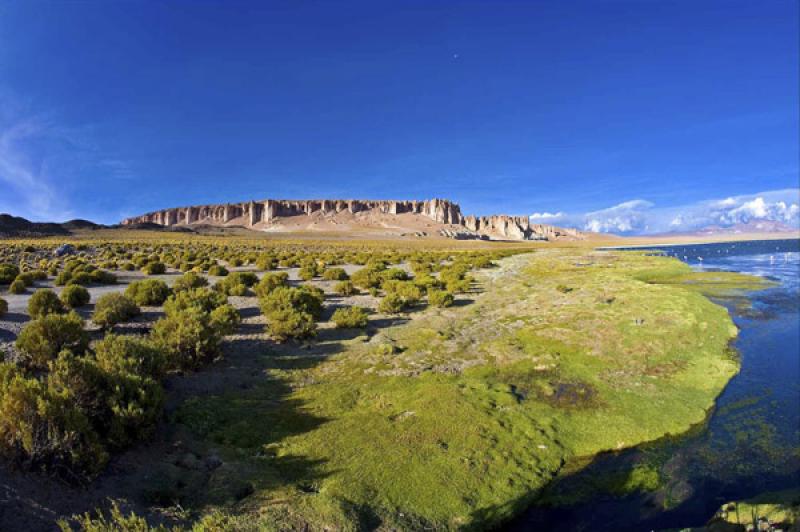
<point>129,354</point>
<point>27,278</point>
<point>63,278</point>
<point>225,319</point>
<point>345,288</point>
<point>440,298</point>
<point>266,262</point>
<point>187,338</point>
<point>81,278</point>
<point>122,407</point>
<point>188,281</point>
<point>3,307</point>
<point>458,286</point>
<point>285,323</point>
<point>350,318</point>
<point>394,274</point>
<point>564,289</point>
<point>43,429</point>
<point>8,272</point>
<point>304,299</point>
<point>392,304</point>
<point>148,293</point>
<point>75,296</point>
<point>44,302</point>
<point>426,282</point>
<point>17,287</point>
<point>115,521</point>
<point>367,278</point>
<point>42,339</point>
<point>307,272</point>
<point>270,282</point>
<point>237,283</point>
<point>407,290</point>
<point>217,271</point>
<point>154,268</point>
<point>103,277</point>
<point>200,298</point>
<point>114,308</point>
<point>335,274</point>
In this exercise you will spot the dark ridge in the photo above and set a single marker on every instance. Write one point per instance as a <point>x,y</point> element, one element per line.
<point>15,226</point>
<point>79,224</point>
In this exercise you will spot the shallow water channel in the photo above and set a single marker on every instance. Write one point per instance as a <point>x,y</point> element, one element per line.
<point>750,443</point>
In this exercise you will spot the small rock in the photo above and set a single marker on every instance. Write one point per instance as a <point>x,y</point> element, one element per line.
<point>213,462</point>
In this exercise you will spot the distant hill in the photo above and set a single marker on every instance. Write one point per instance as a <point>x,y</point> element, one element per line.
<point>15,226</point>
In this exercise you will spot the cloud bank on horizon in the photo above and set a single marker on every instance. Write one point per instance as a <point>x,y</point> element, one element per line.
<point>641,217</point>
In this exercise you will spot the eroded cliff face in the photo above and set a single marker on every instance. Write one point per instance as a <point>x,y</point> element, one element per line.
<point>265,213</point>
<point>504,227</point>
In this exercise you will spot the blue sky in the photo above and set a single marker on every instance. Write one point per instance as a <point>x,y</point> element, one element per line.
<point>109,109</point>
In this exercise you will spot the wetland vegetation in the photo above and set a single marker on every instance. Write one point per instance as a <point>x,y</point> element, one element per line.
<point>268,384</point>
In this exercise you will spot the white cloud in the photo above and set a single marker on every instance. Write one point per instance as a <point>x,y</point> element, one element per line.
<point>539,216</point>
<point>26,188</point>
<point>41,158</point>
<point>644,217</point>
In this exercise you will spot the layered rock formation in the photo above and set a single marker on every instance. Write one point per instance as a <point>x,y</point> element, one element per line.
<point>267,214</point>
<point>502,227</point>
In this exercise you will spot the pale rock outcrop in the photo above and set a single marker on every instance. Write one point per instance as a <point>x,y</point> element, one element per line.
<point>264,213</point>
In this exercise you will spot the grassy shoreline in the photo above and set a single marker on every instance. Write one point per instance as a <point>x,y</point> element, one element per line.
<point>459,417</point>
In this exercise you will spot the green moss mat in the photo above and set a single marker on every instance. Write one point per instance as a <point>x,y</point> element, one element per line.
<point>458,417</point>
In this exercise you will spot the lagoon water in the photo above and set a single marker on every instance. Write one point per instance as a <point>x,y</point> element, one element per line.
<point>751,442</point>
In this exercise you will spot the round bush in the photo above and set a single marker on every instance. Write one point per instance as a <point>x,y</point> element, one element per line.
<point>307,273</point>
<point>41,340</point>
<point>287,323</point>
<point>81,278</point>
<point>103,277</point>
<point>440,298</point>
<point>63,278</point>
<point>114,308</point>
<point>3,307</point>
<point>217,271</point>
<point>26,277</point>
<point>225,319</point>
<point>407,290</point>
<point>304,299</point>
<point>17,287</point>
<point>270,282</point>
<point>129,354</point>
<point>8,272</point>
<point>148,293</point>
<point>201,298</point>
<point>392,304</point>
<point>188,281</point>
<point>350,318</point>
<point>186,338</point>
<point>40,428</point>
<point>266,262</point>
<point>345,288</point>
<point>154,268</point>
<point>335,274</point>
<point>74,296</point>
<point>44,302</point>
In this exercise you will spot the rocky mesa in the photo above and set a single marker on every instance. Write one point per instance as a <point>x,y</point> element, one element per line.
<point>421,218</point>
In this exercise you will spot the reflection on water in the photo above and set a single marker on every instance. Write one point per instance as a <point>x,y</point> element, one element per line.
<point>751,443</point>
